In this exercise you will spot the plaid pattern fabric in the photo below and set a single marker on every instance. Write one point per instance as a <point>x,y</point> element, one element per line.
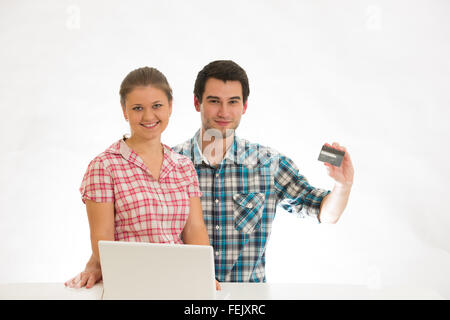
<point>239,201</point>
<point>146,210</point>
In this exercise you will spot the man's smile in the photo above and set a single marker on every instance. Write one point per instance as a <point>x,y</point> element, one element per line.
<point>223,123</point>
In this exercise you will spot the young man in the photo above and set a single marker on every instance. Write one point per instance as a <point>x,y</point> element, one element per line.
<point>243,182</point>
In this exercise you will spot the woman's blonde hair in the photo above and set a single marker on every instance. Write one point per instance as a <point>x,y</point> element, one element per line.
<point>145,76</point>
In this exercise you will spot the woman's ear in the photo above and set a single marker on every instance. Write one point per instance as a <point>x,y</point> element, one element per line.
<point>124,113</point>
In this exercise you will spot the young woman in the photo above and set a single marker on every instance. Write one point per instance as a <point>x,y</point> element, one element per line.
<point>138,189</point>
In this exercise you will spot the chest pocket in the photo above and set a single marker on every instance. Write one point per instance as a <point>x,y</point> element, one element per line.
<point>248,209</point>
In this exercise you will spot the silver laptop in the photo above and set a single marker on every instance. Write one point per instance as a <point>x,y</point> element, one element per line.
<point>138,270</point>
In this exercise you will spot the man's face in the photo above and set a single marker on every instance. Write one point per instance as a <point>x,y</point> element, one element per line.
<point>222,106</point>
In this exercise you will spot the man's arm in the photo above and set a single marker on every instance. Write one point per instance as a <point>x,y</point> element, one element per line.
<point>334,203</point>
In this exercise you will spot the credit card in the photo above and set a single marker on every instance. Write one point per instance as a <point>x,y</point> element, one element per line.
<point>331,155</point>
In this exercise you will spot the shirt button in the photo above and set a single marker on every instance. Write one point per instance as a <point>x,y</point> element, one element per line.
<point>217,175</point>
<point>249,205</point>
<point>217,227</point>
<point>217,200</point>
<point>217,253</point>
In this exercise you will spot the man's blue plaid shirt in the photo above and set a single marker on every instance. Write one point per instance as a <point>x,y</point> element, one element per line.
<point>239,202</point>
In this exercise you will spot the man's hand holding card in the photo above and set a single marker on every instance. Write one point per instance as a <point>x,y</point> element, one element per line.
<point>338,163</point>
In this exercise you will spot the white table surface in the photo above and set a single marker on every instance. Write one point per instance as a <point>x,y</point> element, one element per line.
<point>232,291</point>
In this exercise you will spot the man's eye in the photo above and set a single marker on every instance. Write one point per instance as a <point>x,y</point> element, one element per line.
<point>137,108</point>
<point>157,106</point>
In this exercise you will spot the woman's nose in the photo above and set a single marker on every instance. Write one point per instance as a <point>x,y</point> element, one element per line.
<point>148,114</point>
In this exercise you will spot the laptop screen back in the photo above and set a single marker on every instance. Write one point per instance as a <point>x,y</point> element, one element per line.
<point>137,270</point>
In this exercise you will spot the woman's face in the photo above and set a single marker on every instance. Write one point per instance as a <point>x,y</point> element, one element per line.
<point>147,110</point>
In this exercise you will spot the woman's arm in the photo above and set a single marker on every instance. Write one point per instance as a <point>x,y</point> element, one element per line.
<point>101,224</point>
<point>194,231</point>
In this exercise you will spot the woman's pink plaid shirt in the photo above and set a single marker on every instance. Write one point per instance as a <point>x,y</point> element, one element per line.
<point>146,210</point>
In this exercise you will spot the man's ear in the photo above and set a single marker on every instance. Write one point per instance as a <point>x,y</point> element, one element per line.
<point>245,107</point>
<point>196,104</point>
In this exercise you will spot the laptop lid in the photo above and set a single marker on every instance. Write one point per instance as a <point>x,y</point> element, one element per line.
<point>139,270</point>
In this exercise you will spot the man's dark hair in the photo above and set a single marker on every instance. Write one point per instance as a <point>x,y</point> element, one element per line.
<point>225,70</point>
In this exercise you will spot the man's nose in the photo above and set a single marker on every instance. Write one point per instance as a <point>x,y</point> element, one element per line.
<point>224,110</point>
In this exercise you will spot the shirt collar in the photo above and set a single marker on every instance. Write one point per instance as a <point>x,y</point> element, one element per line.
<point>241,152</point>
<point>198,157</point>
<point>121,148</point>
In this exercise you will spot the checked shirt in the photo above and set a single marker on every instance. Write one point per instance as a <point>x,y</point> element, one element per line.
<point>145,209</point>
<point>239,201</point>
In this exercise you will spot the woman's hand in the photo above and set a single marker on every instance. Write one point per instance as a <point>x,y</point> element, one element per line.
<point>90,276</point>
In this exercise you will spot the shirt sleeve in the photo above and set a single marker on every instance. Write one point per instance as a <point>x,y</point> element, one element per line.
<point>295,193</point>
<point>97,184</point>
<point>193,188</point>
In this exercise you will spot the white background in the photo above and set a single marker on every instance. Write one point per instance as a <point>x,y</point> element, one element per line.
<point>372,75</point>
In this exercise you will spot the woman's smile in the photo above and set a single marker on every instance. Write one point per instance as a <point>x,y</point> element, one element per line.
<point>150,125</point>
